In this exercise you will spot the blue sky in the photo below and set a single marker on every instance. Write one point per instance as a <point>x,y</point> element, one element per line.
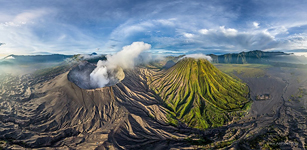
<point>171,27</point>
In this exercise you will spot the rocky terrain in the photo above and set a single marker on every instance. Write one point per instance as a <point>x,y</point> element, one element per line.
<point>47,111</point>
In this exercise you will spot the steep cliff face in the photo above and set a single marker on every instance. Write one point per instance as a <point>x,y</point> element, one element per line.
<point>198,94</point>
<point>255,56</point>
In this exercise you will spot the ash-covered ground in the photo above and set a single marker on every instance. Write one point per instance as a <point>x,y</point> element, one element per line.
<point>280,121</point>
<point>47,111</point>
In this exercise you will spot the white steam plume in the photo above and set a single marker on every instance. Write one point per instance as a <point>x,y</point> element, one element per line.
<point>125,59</point>
<point>197,56</point>
<point>99,76</point>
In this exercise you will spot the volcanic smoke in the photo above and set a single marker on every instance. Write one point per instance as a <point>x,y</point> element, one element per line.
<point>109,71</point>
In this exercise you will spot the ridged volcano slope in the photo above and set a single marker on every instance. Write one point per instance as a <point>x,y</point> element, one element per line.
<point>198,94</point>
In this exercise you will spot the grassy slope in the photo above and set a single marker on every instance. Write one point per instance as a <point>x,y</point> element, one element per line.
<point>198,94</point>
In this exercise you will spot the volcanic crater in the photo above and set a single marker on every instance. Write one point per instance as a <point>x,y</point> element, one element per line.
<point>81,76</point>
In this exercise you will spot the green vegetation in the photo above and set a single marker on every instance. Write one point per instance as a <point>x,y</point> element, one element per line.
<point>172,119</point>
<point>245,70</point>
<point>299,95</point>
<point>198,94</point>
<point>199,141</point>
<point>223,144</point>
<point>301,92</point>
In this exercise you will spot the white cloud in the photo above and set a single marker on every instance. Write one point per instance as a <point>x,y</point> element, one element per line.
<point>229,38</point>
<point>126,57</point>
<point>30,15</point>
<point>25,17</point>
<point>22,37</point>
<point>197,56</point>
<point>66,40</point>
<point>203,31</point>
<point>221,29</point>
<point>122,34</point>
<point>278,30</point>
<point>188,35</point>
<point>229,31</point>
<point>167,22</point>
<point>130,27</point>
<point>256,24</point>
<point>127,29</point>
<point>297,41</point>
<point>18,35</point>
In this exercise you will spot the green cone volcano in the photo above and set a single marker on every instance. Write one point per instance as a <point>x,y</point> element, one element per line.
<point>198,94</point>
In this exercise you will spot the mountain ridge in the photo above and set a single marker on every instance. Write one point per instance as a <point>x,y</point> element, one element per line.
<point>256,56</point>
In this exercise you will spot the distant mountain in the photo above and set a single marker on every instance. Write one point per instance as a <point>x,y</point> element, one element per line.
<point>257,56</point>
<point>32,59</point>
<point>40,58</point>
<point>5,63</point>
<point>41,53</point>
<point>198,94</point>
